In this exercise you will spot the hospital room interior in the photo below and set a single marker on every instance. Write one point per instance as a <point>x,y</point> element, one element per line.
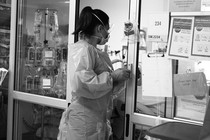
<point>165,44</point>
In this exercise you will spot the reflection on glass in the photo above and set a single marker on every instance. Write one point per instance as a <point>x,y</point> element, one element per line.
<point>41,50</point>
<point>203,66</point>
<point>146,104</point>
<point>149,105</point>
<point>139,132</point>
<point>40,122</point>
<point>192,107</point>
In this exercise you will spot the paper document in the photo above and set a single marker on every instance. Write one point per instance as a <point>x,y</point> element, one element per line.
<point>201,45</point>
<point>188,107</point>
<point>190,84</point>
<point>156,76</point>
<point>180,40</point>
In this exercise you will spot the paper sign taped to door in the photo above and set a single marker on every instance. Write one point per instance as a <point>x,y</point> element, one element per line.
<point>156,76</point>
<point>190,84</point>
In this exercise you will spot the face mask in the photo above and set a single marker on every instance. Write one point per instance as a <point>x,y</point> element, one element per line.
<point>103,40</point>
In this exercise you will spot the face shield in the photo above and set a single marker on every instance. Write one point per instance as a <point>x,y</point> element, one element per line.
<point>107,29</point>
<point>105,39</point>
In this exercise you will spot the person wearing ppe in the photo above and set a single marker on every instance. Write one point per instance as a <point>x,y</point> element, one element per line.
<point>92,80</point>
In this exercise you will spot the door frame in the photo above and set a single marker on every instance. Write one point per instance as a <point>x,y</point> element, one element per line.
<point>15,96</point>
<point>131,117</point>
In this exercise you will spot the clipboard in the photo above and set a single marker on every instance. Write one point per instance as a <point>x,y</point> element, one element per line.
<point>156,75</point>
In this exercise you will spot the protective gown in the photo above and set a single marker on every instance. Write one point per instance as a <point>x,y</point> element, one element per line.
<point>92,87</point>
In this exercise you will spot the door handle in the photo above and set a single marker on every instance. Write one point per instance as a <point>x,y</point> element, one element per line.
<point>127,119</point>
<point>130,67</point>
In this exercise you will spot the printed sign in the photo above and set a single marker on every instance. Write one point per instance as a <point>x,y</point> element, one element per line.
<point>201,39</point>
<point>158,27</point>
<point>184,5</point>
<point>205,5</point>
<point>181,33</point>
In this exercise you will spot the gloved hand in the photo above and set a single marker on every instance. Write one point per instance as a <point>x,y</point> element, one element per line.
<point>120,74</point>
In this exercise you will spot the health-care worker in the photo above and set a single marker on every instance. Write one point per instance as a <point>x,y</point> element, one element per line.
<point>92,80</point>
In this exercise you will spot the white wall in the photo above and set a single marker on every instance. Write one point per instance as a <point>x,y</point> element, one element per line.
<point>118,11</point>
<point>152,6</point>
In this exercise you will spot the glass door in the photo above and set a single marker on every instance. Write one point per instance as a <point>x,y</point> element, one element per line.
<point>5,12</point>
<point>146,104</point>
<point>150,98</point>
<point>40,32</point>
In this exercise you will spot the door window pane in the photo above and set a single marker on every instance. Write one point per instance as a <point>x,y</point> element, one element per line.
<point>154,104</point>
<point>192,107</point>
<point>41,49</point>
<point>36,122</point>
<point>5,12</point>
<point>139,132</point>
<point>150,105</point>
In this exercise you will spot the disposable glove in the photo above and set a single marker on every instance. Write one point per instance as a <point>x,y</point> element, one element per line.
<point>120,74</point>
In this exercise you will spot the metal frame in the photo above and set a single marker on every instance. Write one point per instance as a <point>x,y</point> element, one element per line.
<point>133,118</point>
<point>15,96</point>
<point>132,57</point>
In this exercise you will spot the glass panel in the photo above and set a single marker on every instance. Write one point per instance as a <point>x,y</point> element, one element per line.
<point>139,132</point>
<point>41,50</point>
<point>148,104</point>
<point>192,107</point>
<point>5,14</point>
<point>118,117</point>
<point>39,123</point>
<point>3,116</point>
